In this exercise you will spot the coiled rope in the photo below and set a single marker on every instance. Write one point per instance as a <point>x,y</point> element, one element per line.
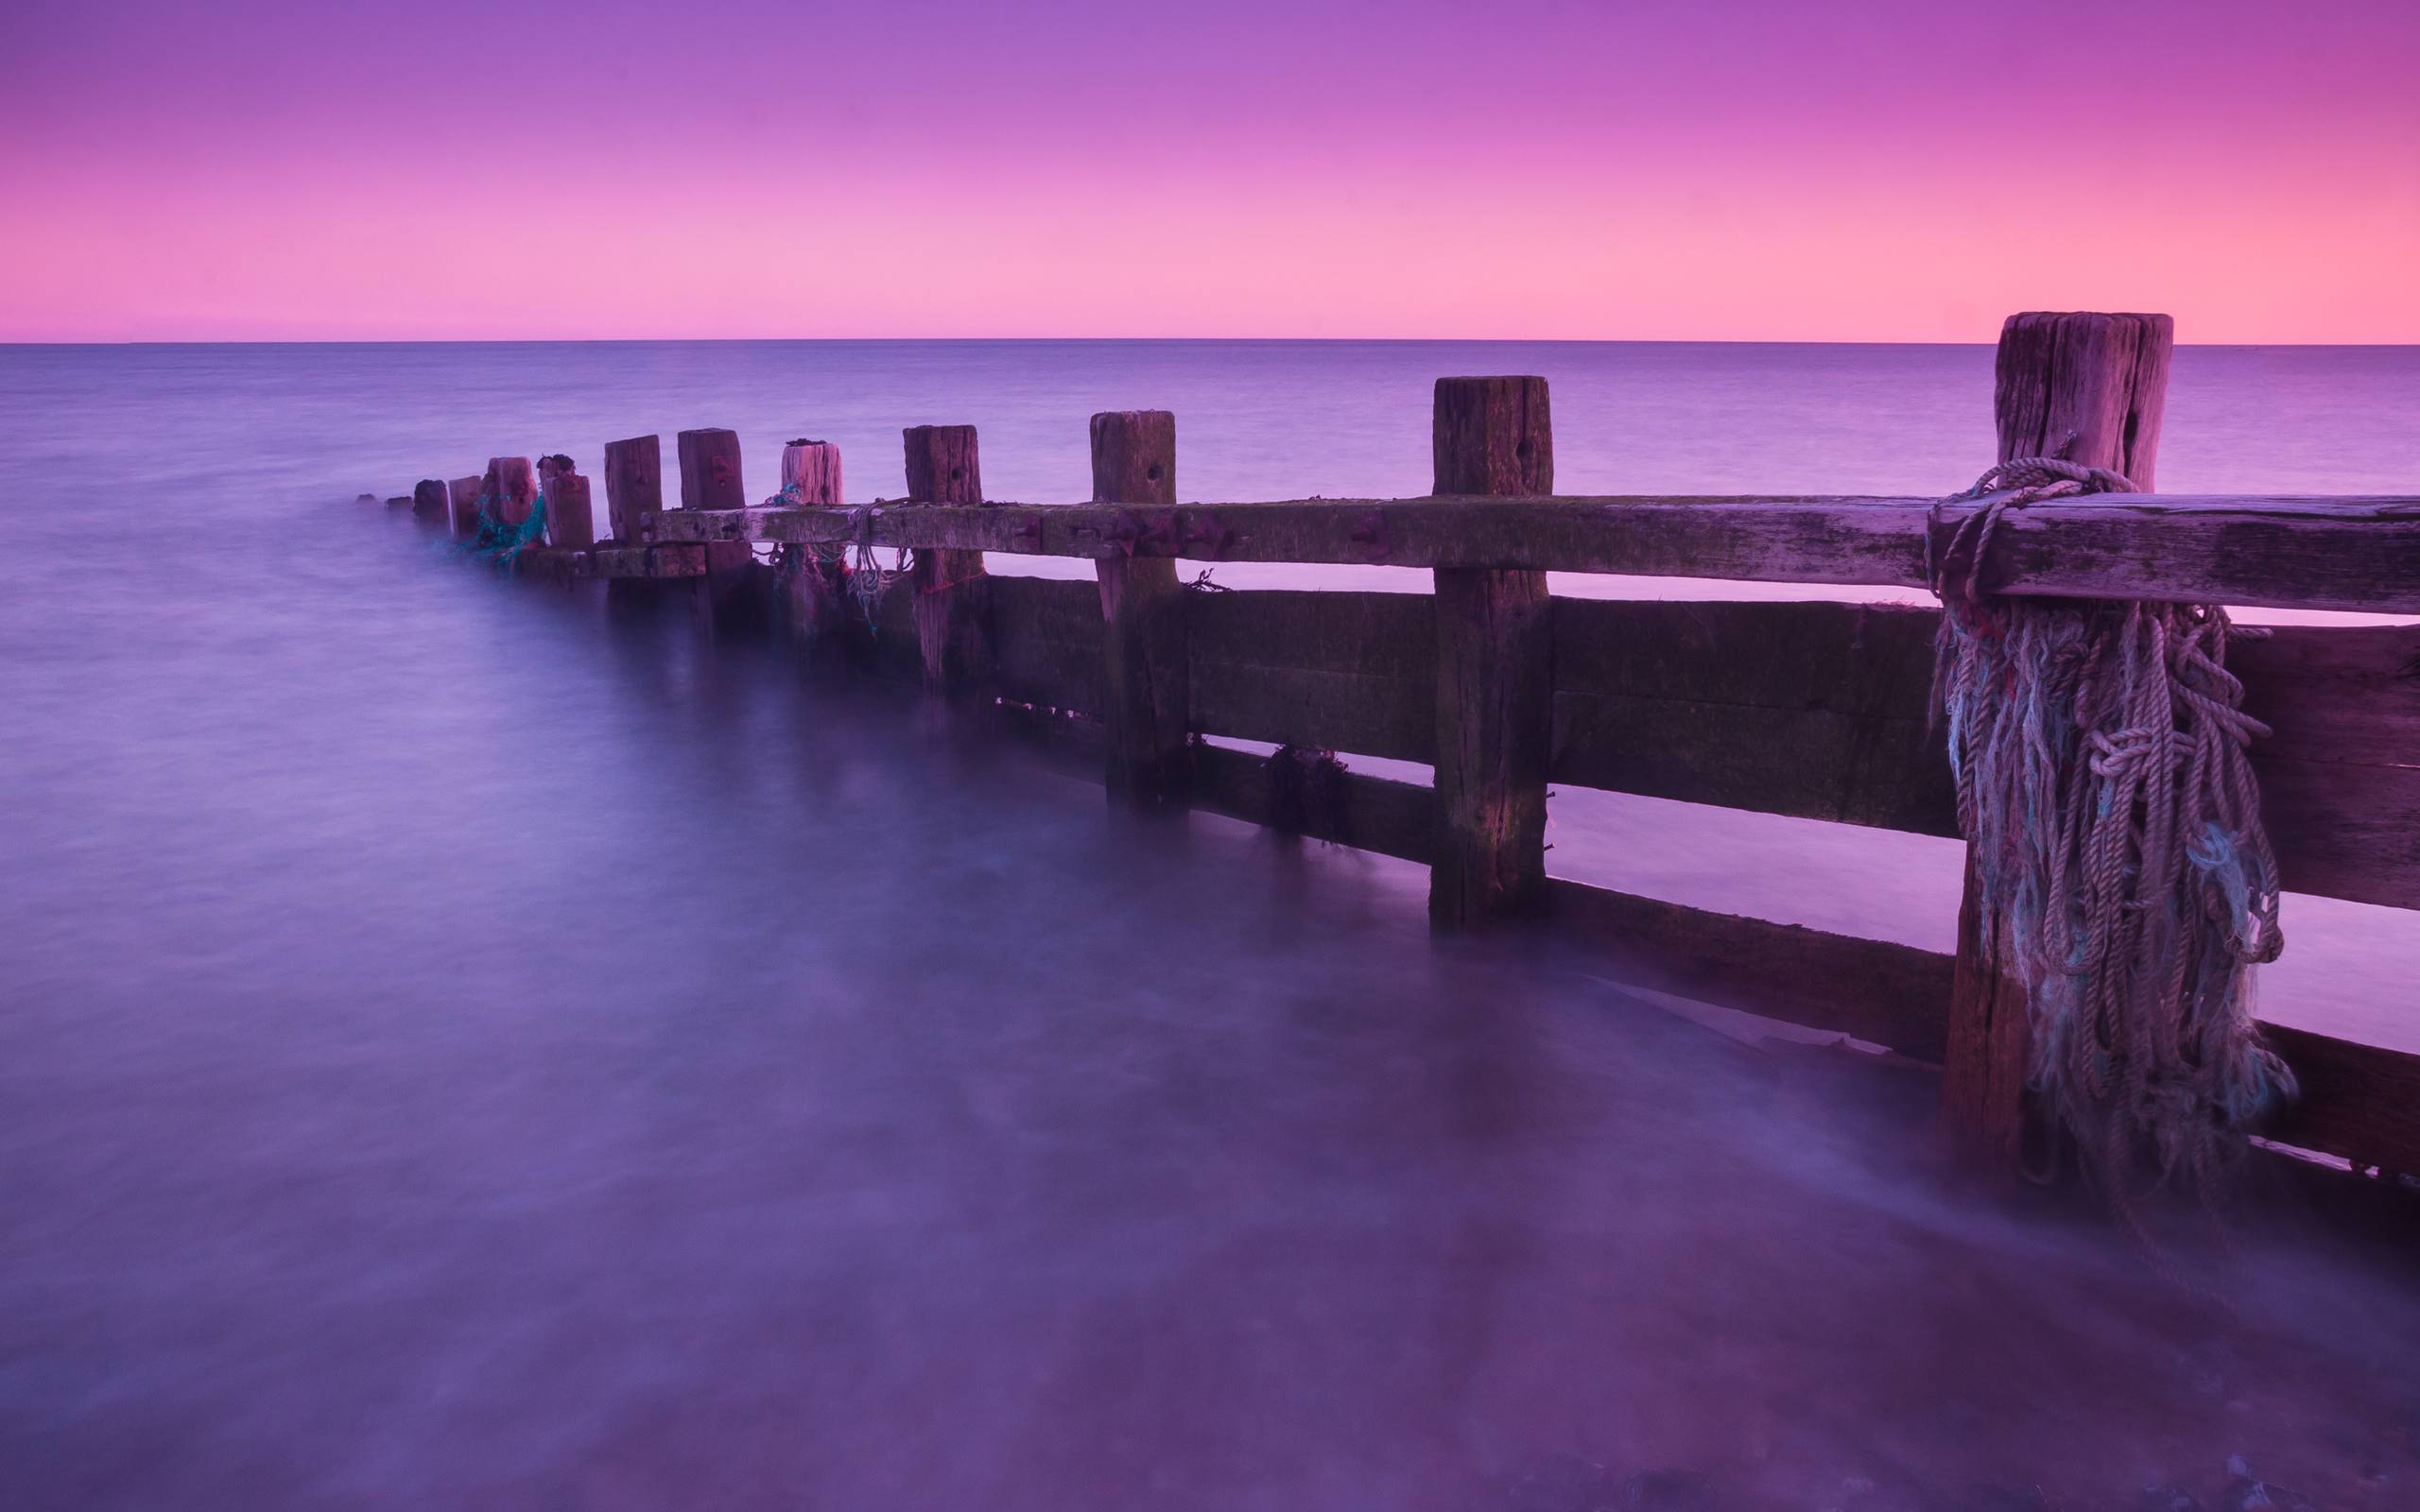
<point>2100,748</point>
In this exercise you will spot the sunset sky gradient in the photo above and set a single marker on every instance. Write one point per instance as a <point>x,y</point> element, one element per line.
<point>1748,169</point>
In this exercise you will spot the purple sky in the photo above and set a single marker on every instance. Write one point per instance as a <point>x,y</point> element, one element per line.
<point>1732,169</point>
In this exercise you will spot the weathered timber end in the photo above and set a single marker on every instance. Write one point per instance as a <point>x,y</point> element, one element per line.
<point>1817,710</point>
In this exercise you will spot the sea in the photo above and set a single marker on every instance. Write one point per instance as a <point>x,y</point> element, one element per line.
<point>456,1049</point>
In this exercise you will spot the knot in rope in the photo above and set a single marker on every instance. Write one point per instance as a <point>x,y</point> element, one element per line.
<point>1955,568</point>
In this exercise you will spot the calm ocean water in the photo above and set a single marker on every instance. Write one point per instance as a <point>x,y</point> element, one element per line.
<point>454,1052</point>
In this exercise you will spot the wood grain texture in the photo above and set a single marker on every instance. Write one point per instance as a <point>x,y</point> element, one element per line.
<point>633,486</point>
<point>510,488</point>
<point>1048,643</point>
<point>811,472</point>
<point>1816,710</point>
<point>571,521</point>
<point>1495,667</point>
<point>2086,387</point>
<point>2249,549</point>
<point>1819,711</point>
<point>710,470</point>
<point>463,507</point>
<point>1333,671</point>
<point>1134,454</point>
<point>428,502</point>
<point>1493,437</point>
<point>952,599</point>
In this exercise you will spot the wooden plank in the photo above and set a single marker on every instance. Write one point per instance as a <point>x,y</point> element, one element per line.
<point>1047,643</point>
<point>611,561</point>
<point>1817,710</point>
<point>1375,814</point>
<point>2361,1102</point>
<point>1492,436</point>
<point>1346,671</point>
<point>2277,551</point>
<point>951,604</point>
<point>1880,992</point>
<point>1134,454</point>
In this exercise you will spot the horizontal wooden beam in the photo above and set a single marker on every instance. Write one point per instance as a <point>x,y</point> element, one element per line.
<point>1371,814</point>
<point>1887,995</point>
<point>565,564</point>
<point>2271,551</point>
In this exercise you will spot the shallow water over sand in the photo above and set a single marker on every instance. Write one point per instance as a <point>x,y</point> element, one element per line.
<point>457,1051</point>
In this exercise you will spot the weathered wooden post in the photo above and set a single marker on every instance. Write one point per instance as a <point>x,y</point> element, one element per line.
<point>463,503</point>
<point>710,470</point>
<point>512,489</point>
<point>428,502</point>
<point>2089,388</point>
<point>944,465</point>
<point>811,472</point>
<point>710,479</point>
<point>571,520</point>
<point>811,475</point>
<point>633,486</point>
<point>1143,608</point>
<point>1493,437</point>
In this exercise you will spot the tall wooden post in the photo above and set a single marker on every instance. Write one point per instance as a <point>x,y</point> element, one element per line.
<point>1493,437</point>
<point>2089,388</point>
<point>633,486</point>
<point>571,520</point>
<point>945,467</point>
<point>510,487</point>
<point>811,475</point>
<point>1143,608</point>
<point>428,502</point>
<point>710,479</point>
<point>463,504</point>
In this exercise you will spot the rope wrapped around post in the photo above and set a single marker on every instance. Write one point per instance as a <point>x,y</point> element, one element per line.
<point>2099,750</point>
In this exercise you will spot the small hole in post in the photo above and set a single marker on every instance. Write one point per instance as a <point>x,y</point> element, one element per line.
<point>957,474</point>
<point>1152,473</point>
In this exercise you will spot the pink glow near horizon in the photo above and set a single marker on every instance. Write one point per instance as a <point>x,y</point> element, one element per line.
<point>1903,171</point>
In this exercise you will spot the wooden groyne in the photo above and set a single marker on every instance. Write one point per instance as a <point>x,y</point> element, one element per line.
<point>1815,711</point>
